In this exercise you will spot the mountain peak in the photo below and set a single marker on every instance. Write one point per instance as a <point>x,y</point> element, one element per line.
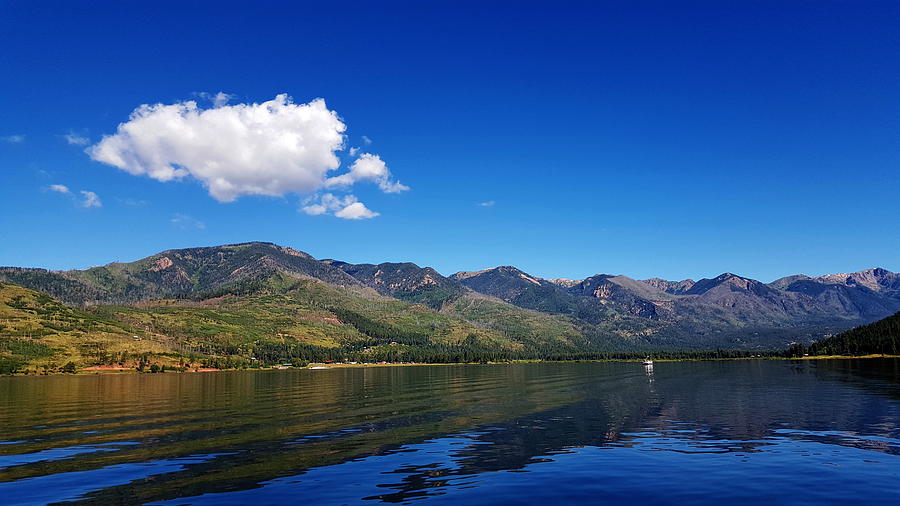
<point>185,272</point>
<point>508,283</point>
<point>671,287</point>
<point>725,279</point>
<point>405,280</point>
<point>783,283</point>
<point>565,282</point>
<point>876,279</point>
<point>500,269</point>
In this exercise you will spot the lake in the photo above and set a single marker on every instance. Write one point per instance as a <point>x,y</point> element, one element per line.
<point>686,432</point>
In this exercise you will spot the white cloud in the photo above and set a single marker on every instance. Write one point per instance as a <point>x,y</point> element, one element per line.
<point>87,199</point>
<point>315,209</point>
<point>323,204</point>
<point>347,207</point>
<point>218,100</point>
<point>356,211</point>
<point>366,140</point>
<point>90,199</point>
<point>489,203</point>
<point>76,140</point>
<point>186,222</point>
<point>13,139</point>
<point>272,148</point>
<point>367,167</point>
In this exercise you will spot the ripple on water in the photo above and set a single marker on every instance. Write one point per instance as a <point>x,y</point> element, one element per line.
<point>74,485</point>
<point>7,461</point>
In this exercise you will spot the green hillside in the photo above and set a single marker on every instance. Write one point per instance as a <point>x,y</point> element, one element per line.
<point>267,321</point>
<point>37,333</point>
<point>881,337</point>
<point>179,273</point>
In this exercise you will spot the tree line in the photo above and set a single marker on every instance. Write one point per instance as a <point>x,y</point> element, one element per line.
<point>881,337</point>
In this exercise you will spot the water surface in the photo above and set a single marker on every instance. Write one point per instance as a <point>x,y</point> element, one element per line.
<point>697,432</point>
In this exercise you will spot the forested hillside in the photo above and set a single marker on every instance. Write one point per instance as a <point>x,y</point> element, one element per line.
<point>270,321</point>
<point>881,337</point>
<point>40,334</point>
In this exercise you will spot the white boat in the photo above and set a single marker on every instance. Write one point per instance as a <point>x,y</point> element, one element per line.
<point>320,367</point>
<point>647,361</point>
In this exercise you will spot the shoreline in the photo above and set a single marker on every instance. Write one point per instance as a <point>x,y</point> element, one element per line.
<point>100,370</point>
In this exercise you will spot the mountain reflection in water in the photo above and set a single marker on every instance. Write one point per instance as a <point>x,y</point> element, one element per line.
<point>694,431</point>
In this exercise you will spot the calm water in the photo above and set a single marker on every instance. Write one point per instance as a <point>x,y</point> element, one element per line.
<point>703,432</point>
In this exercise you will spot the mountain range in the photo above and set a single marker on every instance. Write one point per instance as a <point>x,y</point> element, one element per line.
<point>236,300</point>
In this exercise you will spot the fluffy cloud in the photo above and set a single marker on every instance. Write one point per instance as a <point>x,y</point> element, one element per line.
<point>273,148</point>
<point>13,139</point>
<point>489,203</point>
<point>59,188</point>
<point>76,140</point>
<point>368,167</point>
<point>356,211</point>
<point>90,199</point>
<point>347,207</point>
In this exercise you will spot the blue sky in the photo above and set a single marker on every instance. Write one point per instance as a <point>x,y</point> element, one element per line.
<point>639,138</point>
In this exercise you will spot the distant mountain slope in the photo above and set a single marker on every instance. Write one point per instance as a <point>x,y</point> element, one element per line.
<point>58,284</point>
<point>642,289</point>
<point>506,282</point>
<point>878,280</point>
<point>519,288</point>
<point>39,332</point>
<point>623,294</point>
<point>535,329</point>
<point>804,302</point>
<point>313,313</point>
<point>672,287</point>
<point>177,273</point>
<point>692,313</point>
<point>405,281</point>
<point>564,282</point>
<point>409,282</point>
<point>782,283</point>
<point>850,301</point>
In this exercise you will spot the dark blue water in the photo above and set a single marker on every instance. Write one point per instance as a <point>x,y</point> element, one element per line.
<point>694,432</point>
